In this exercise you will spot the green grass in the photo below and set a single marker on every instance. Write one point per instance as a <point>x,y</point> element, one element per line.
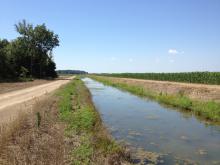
<point>83,153</point>
<point>83,121</point>
<point>208,110</point>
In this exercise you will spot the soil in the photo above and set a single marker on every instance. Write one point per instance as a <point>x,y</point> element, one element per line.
<point>12,103</point>
<point>194,91</point>
<point>12,86</point>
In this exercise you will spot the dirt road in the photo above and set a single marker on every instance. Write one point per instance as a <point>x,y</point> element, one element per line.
<point>6,87</point>
<point>11,101</point>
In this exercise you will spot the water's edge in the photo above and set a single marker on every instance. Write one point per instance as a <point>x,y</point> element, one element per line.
<point>145,125</point>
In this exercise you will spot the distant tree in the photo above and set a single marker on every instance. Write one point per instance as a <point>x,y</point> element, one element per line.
<point>71,72</point>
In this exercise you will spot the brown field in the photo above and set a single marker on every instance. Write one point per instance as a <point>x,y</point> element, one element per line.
<point>194,91</point>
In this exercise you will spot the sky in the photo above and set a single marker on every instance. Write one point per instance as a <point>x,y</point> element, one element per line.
<point>110,36</point>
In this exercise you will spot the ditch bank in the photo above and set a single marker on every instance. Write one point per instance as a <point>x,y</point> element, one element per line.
<point>155,133</point>
<point>63,128</point>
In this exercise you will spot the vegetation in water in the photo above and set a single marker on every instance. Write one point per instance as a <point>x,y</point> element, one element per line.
<point>209,110</point>
<point>78,112</point>
<point>188,77</point>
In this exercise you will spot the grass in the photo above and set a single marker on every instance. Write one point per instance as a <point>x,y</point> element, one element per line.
<point>208,110</point>
<point>84,123</point>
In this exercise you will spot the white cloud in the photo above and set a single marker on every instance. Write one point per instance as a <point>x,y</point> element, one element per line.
<point>173,51</point>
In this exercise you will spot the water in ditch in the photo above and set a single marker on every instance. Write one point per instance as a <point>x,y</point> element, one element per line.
<point>154,133</point>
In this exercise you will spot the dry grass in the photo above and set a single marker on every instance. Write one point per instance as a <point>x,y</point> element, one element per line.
<point>23,142</point>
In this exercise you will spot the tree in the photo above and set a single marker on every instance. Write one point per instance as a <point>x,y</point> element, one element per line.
<point>40,42</point>
<point>23,72</point>
<point>51,67</point>
<point>30,54</point>
<point>25,30</point>
<point>45,41</point>
<point>4,63</point>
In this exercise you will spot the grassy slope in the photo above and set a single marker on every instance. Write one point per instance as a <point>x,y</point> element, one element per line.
<point>208,110</point>
<point>78,112</point>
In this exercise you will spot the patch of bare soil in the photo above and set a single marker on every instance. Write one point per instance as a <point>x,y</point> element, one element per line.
<point>13,86</point>
<point>194,91</point>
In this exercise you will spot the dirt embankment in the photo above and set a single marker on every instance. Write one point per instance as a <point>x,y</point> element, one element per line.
<point>194,91</point>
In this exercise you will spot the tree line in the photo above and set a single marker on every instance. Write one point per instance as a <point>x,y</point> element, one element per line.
<point>30,54</point>
<point>71,72</point>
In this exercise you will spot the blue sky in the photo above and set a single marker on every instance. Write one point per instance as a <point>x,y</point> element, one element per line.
<point>125,35</point>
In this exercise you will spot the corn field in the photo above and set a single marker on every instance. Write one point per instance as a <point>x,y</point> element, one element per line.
<point>188,77</point>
